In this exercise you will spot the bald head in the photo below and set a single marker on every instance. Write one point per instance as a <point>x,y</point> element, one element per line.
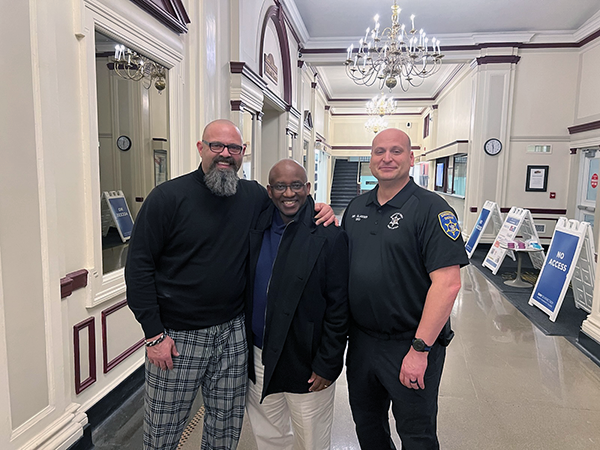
<point>392,134</point>
<point>220,125</point>
<point>287,166</point>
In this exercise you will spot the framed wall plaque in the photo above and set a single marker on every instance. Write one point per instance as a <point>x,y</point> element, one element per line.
<point>537,178</point>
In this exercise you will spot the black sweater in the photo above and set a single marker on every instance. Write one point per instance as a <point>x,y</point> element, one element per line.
<point>186,266</point>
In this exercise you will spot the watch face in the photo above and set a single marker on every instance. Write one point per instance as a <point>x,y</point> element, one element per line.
<point>419,345</point>
<point>124,143</point>
<point>492,146</point>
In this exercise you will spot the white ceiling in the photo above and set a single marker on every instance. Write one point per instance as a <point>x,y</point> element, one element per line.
<point>335,24</point>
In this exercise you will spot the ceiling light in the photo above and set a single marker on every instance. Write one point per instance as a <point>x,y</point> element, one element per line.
<point>394,56</point>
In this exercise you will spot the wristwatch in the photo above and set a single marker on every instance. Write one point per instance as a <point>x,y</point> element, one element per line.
<point>420,346</point>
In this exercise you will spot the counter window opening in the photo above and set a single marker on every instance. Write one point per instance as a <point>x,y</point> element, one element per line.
<point>451,175</point>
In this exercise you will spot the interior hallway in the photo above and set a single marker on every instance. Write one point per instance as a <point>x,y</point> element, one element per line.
<point>505,386</point>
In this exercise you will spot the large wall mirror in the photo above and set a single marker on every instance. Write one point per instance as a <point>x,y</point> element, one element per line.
<point>133,135</point>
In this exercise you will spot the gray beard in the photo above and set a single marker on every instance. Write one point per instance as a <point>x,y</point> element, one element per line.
<point>222,183</point>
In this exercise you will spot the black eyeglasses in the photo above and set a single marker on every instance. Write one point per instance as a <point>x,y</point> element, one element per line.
<point>218,147</point>
<point>296,187</point>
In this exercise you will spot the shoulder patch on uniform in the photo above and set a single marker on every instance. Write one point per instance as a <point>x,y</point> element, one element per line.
<point>449,224</point>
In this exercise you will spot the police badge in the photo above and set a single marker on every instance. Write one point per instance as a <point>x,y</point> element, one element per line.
<point>449,224</point>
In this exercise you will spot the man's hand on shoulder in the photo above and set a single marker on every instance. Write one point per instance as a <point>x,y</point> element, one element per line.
<point>161,355</point>
<point>325,215</point>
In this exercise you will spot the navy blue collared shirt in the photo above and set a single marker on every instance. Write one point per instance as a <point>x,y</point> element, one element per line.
<point>264,267</point>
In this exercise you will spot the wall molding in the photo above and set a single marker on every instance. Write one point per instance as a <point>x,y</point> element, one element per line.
<point>170,13</point>
<point>109,365</point>
<point>364,147</point>
<point>560,212</point>
<point>275,13</point>
<point>497,59</point>
<point>73,281</point>
<point>590,126</point>
<point>470,47</point>
<point>89,323</point>
<point>457,142</point>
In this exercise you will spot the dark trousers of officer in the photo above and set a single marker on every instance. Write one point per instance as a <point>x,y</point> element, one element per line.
<point>373,368</point>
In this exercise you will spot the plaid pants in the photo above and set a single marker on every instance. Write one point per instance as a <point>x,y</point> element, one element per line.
<point>215,358</point>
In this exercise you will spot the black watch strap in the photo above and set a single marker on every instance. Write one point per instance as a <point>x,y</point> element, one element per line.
<point>420,346</point>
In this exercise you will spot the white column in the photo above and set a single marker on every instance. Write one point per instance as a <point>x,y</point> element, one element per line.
<point>591,325</point>
<point>491,115</point>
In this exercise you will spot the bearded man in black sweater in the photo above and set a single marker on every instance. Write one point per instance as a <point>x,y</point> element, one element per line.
<point>186,277</point>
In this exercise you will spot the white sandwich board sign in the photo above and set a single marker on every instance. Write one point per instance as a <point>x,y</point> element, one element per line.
<point>119,212</point>
<point>490,211</point>
<point>518,222</point>
<point>570,259</point>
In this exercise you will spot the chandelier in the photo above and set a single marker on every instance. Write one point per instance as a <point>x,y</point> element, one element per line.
<point>376,124</point>
<point>381,106</point>
<point>394,56</point>
<point>130,65</point>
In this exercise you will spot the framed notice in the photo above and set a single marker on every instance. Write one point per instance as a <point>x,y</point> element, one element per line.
<point>537,178</point>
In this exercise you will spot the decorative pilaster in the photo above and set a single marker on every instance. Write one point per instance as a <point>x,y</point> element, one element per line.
<point>491,115</point>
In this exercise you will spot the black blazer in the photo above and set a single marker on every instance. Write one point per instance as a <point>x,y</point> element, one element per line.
<point>307,304</point>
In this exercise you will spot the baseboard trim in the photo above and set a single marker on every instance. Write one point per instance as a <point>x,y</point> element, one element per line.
<point>103,409</point>
<point>591,347</point>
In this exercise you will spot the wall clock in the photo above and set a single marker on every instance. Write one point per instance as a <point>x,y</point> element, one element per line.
<point>124,143</point>
<point>492,146</point>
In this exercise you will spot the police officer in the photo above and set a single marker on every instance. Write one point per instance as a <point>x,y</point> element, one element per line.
<point>406,251</point>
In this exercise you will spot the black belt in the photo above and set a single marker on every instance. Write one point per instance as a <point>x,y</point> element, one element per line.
<point>405,335</point>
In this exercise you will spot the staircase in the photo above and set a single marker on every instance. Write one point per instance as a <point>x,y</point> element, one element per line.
<point>344,187</point>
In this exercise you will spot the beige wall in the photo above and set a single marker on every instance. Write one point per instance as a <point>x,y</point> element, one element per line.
<point>349,130</point>
<point>545,94</point>
<point>588,100</point>
<point>453,120</point>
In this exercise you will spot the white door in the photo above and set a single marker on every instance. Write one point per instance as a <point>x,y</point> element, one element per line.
<point>588,185</point>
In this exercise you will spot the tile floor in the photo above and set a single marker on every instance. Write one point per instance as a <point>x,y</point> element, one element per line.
<point>505,386</point>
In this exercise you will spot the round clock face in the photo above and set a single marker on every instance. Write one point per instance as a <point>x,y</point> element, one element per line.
<point>492,146</point>
<point>124,143</point>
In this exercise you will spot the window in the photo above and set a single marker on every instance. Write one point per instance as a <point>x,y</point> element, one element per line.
<point>421,174</point>
<point>460,175</point>
<point>451,174</point>
<point>440,174</point>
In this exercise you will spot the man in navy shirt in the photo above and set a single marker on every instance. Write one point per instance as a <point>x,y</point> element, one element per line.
<point>406,252</point>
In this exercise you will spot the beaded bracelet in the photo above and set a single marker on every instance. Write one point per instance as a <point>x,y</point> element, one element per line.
<point>156,341</point>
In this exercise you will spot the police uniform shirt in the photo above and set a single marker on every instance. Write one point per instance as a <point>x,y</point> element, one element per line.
<point>393,248</point>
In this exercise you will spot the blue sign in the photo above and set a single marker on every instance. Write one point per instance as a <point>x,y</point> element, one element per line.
<point>472,242</point>
<point>553,279</point>
<point>122,216</point>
